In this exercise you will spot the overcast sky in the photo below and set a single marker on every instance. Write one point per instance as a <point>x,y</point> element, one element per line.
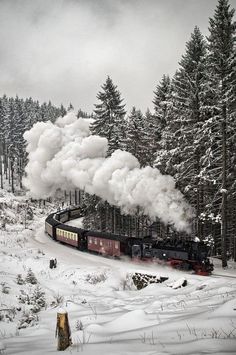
<point>63,50</point>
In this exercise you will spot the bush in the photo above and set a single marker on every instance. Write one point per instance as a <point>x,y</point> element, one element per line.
<point>30,278</point>
<point>5,288</point>
<point>24,297</point>
<point>96,278</point>
<point>28,320</point>
<point>38,299</point>
<point>79,325</point>
<point>58,300</point>
<point>19,280</point>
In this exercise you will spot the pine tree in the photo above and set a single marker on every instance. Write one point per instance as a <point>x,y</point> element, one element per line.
<point>109,116</point>
<point>30,277</point>
<point>4,118</point>
<point>38,299</point>
<point>162,114</point>
<point>187,86</point>
<point>161,126</point>
<point>136,138</point>
<point>70,107</point>
<point>221,112</point>
<point>162,103</point>
<point>82,114</point>
<point>19,280</point>
<point>62,111</point>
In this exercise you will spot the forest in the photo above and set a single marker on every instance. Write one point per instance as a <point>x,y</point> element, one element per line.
<point>188,133</point>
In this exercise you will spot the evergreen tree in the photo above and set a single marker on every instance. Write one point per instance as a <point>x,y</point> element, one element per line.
<point>136,138</point>
<point>70,107</point>
<point>31,115</point>
<point>19,280</point>
<point>162,104</point>
<point>62,111</point>
<point>164,127</point>
<point>188,85</point>
<point>157,123</point>
<point>4,123</point>
<point>109,116</point>
<point>82,114</point>
<point>38,299</point>
<point>30,277</point>
<point>221,114</point>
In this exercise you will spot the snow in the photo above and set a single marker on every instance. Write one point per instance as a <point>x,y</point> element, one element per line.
<point>115,317</point>
<point>76,222</point>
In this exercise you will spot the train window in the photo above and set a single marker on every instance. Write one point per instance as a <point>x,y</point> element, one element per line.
<point>100,242</point>
<point>95,240</point>
<point>90,241</point>
<point>116,245</point>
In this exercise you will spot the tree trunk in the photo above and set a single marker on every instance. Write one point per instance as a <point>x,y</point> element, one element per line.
<point>70,198</point>
<point>1,172</point>
<point>224,192</point>
<point>75,197</point>
<point>12,177</point>
<point>63,331</point>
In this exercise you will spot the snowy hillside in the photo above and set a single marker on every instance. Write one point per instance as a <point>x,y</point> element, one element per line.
<point>107,314</point>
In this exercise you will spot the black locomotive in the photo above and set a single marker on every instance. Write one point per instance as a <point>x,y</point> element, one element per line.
<point>181,254</point>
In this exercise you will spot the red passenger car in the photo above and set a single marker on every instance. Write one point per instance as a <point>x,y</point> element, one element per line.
<point>106,243</point>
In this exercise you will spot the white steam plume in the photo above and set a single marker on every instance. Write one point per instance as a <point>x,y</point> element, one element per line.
<point>65,155</point>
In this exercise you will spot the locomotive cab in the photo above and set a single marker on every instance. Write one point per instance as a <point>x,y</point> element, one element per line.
<point>136,251</point>
<point>147,250</point>
<point>141,251</point>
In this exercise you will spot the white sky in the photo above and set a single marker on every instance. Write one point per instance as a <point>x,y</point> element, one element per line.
<point>62,50</point>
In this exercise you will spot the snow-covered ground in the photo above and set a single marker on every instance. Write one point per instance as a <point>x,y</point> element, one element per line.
<point>112,316</point>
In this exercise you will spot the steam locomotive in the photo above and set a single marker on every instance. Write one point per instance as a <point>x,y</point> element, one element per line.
<point>180,254</point>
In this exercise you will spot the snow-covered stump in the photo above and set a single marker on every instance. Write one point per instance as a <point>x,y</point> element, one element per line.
<point>63,330</point>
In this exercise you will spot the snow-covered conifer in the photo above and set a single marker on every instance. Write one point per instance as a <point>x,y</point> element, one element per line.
<point>219,128</point>
<point>109,116</point>
<point>30,277</point>
<point>136,136</point>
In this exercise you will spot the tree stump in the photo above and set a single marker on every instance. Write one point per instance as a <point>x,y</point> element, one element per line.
<point>63,331</point>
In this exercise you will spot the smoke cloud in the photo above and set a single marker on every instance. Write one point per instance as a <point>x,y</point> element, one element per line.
<point>65,155</point>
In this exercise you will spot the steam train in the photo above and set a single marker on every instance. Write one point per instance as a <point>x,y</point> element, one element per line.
<point>180,254</point>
